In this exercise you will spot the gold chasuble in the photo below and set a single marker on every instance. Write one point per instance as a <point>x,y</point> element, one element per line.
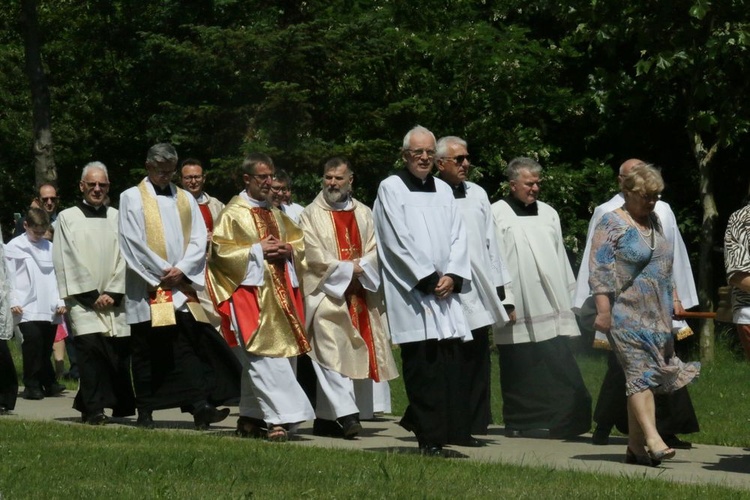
<point>347,334</point>
<point>270,317</point>
<point>160,299</point>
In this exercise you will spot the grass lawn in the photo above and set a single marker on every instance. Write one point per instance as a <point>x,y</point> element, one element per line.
<point>39,459</point>
<point>52,460</point>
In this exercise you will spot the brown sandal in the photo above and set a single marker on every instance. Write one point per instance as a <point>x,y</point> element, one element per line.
<point>277,434</point>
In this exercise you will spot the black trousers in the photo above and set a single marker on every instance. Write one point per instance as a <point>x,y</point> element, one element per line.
<point>477,367</point>
<point>104,369</point>
<point>182,366</point>
<point>8,378</point>
<point>674,412</point>
<point>438,411</point>
<point>36,350</point>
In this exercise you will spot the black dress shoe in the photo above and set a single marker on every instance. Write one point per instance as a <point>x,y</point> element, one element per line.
<point>32,393</point>
<point>350,425</point>
<point>430,450</point>
<point>54,390</point>
<point>673,441</point>
<point>600,437</point>
<point>145,420</point>
<point>96,418</point>
<point>327,428</point>
<point>512,433</point>
<point>206,415</point>
<point>4,410</point>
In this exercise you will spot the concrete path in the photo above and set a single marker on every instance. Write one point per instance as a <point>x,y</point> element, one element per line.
<point>703,464</point>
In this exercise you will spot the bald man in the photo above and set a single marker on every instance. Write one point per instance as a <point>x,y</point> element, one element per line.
<point>674,412</point>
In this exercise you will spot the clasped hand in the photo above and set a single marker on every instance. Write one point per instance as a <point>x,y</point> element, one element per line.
<point>274,250</point>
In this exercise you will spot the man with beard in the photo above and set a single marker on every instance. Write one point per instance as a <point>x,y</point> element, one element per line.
<point>178,359</point>
<point>424,257</point>
<point>254,272</point>
<point>349,345</point>
<point>91,278</point>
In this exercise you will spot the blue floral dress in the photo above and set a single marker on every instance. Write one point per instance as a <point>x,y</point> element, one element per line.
<point>638,280</point>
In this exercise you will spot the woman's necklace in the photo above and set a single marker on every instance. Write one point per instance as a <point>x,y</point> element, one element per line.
<point>644,234</point>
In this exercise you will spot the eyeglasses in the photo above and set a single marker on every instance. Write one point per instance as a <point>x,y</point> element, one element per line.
<point>458,159</point>
<point>278,189</point>
<point>650,197</point>
<point>530,184</point>
<point>262,177</point>
<point>48,198</point>
<point>417,153</point>
<point>92,185</point>
<point>188,178</point>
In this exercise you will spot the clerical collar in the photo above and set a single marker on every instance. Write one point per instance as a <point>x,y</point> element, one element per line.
<point>165,191</point>
<point>459,191</point>
<point>92,212</point>
<point>414,183</point>
<point>338,206</point>
<point>253,202</point>
<point>520,208</point>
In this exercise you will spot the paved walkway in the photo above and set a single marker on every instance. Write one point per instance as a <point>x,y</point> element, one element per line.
<point>703,464</point>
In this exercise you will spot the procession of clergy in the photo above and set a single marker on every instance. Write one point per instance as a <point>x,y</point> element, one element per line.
<point>179,301</point>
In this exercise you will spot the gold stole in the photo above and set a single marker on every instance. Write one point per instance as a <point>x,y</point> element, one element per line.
<point>265,223</point>
<point>349,245</point>
<point>160,299</point>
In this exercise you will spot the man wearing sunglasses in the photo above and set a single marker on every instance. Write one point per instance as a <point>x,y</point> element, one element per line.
<point>482,297</point>
<point>48,201</point>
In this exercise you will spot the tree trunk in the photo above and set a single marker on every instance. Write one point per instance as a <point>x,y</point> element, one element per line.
<point>44,161</point>
<point>705,267</point>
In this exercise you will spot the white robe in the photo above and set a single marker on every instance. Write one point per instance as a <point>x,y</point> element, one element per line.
<point>6,318</point>
<point>542,281</point>
<point>33,285</point>
<point>418,234</point>
<point>293,211</point>
<point>87,257</point>
<point>479,299</point>
<point>144,266</point>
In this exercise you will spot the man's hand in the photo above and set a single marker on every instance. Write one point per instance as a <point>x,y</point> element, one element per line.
<point>16,310</point>
<point>444,287</point>
<point>61,310</point>
<point>172,278</point>
<point>511,311</point>
<point>103,302</point>
<point>274,250</point>
<point>358,271</point>
<point>678,309</point>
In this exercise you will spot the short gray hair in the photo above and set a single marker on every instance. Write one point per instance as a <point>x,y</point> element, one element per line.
<point>419,129</point>
<point>161,153</point>
<point>513,170</point>
<point>441,149</point>
<point>94,165</point>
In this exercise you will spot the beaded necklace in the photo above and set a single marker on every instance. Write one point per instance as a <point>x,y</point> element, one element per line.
<point>644,235</point>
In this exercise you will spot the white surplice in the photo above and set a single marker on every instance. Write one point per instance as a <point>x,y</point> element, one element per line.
<point>87,257</point>
<point>419,233</point>
<point>144,266</point>
<point>542,281</point>
<point>479,299</point>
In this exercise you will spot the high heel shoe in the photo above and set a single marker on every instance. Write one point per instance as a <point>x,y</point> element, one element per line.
<point>664,454</point>
<point>633,459</point>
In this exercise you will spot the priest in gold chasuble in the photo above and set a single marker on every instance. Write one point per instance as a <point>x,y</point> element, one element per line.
<point>344,305</point>
<point>255,266</point>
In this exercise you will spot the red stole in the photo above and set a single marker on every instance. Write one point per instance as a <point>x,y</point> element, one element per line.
<point>349,246</point>
<point>207,217</point>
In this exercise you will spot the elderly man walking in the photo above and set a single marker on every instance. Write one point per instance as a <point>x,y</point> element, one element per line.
<point>91,279</point>
<point>540,381</point>
<point>425,260</point>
